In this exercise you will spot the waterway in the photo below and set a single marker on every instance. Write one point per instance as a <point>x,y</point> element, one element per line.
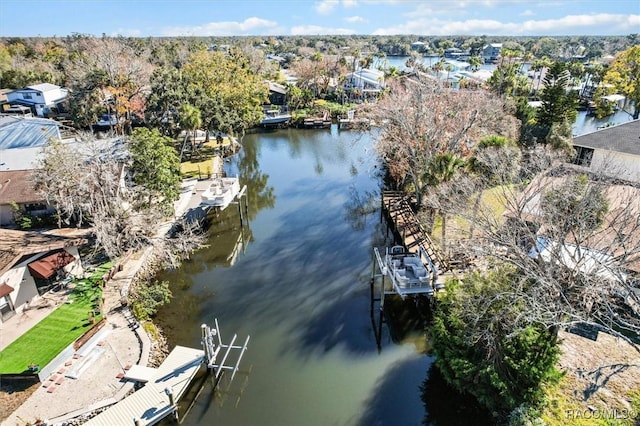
<point>296,279</point>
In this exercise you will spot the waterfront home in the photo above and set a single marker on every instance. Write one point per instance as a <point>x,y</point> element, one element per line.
<point>277,94</point>
<point>363,84</point>
<point>609,251</point>
<point>491,52</point>
<point>32,262</point>
<point>613,151</point>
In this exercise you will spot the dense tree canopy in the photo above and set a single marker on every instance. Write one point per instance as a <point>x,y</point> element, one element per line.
<point>155,167</point>
<point>624,74</point>
<point>227,92</point>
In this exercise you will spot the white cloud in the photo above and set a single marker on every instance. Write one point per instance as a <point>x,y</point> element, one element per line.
<point>348,4</point>
<point>318,30</point>
<point>527,12</point>
<point>355,19</point>
<point>127,32</point>
<point>325,7</point>
<point>597,24</point>
<point>249,26</point>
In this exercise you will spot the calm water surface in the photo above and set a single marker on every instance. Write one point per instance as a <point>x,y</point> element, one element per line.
<point>297,280</point>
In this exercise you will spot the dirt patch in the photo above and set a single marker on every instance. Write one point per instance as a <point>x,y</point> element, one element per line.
<point>13,395</point>
<point>599,373</point>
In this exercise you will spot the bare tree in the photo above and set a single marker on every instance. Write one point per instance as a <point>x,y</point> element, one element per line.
<point>87,183</point>
<point>418,119</point>
<point>574,241</point>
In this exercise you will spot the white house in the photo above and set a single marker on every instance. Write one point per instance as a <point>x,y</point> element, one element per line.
<point>30,262</point>
<point>42,98</point>
<point>367,79</point>
<point>613,151</point>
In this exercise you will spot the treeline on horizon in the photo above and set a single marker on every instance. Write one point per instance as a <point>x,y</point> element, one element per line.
<point>589,46</point>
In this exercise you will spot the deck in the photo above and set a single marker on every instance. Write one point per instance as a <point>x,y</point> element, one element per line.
<point>412,235</point>
<point>414,239</point>
<point>152,403</point>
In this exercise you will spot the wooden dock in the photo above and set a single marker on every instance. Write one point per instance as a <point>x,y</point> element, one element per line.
<point>164,386</point>
<point>410,232</point>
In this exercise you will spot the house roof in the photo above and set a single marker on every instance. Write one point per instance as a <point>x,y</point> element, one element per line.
<point>620,219</point>
<point>624,138</point>
<point>43,87</point>
<point>16,185</point>
<point>278,88</point>
<point>26,132</point>
<point>16,244</point>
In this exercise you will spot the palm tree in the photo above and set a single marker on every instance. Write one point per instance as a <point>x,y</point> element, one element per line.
<point>442,168</point>
<point>475,62</point>
<point>190,120</point>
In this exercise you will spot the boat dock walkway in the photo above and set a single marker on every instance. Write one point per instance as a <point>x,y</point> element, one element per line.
<point>412,235</point>
<point>164,386</point>
<point>416,242</point>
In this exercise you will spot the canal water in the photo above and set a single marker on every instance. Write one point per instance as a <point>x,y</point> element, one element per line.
<point>296,278</point>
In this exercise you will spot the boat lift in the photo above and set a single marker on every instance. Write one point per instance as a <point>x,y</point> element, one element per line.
<point>214,348</point>
<point>403,291</point>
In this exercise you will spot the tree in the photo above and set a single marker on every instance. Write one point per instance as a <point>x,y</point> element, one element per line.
<point>558,105</point>
<point>475,62</point>
<point>86,185</point>
<point>441,169</point>
<point>624,74</point>
<point>420,119</point>
<point>190,120</point>
<point>107,74</point>
<point>156,168</point>
<point>228,94</point>
<point>148,298</point>
<point>574,241</point>
<point>478,353</point>
<point>168,92</point>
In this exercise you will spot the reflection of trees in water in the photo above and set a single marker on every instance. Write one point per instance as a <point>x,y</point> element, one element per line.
<point>391,401</point>
<point>444,406</point>
<point>259,194</point>
<point>359,206</point>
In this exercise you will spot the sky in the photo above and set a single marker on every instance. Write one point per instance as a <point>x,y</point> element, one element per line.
<point>142,18</point>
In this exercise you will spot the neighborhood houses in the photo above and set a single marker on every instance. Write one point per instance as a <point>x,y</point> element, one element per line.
<point>509,172</point>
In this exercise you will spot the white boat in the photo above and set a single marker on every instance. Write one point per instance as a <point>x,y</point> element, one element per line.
<point>407,272</point>
<point>221,192</point>
<point>275,117</point>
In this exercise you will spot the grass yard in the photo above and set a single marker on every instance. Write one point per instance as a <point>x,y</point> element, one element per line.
<point>199,164</point>
<point>62,327</point>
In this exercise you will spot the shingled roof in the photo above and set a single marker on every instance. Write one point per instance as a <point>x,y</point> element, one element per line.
<point>16,186</point>
<point>624,138</point>
<point>16,244</point>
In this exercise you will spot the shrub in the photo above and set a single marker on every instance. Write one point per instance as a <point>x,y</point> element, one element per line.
<point>148,298</point>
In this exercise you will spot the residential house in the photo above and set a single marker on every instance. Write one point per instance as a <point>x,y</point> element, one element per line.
<point>277,94</point>
<point>31,262</point>
<point>419,46</point>
<point>491,52</point>
<point>613,151</point>
<point>21,142</point>
<point>612,250</point>
<point>44,99</point>
<point>456,53</point>
<point>21,148</point>
<point>17,190</point>
<point>366,82</point>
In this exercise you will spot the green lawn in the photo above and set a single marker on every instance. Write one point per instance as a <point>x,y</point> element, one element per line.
<point>63,326</point>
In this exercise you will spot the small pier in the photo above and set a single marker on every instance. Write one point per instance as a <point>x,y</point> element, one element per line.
<point>415,267</point>
<point>163,387</point>
<point>412,235</point>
